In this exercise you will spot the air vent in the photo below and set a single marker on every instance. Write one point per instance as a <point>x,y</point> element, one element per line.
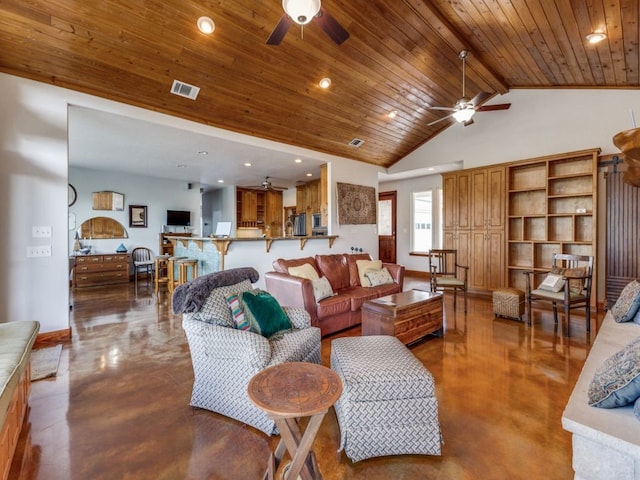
<point>184,90</point>
<point>356,142</point>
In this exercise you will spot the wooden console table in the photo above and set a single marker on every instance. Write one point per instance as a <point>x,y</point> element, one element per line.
<point>288,392</point>
<point>409,315</point>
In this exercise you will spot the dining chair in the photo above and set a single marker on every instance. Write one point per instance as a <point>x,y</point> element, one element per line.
<point>446,274</point>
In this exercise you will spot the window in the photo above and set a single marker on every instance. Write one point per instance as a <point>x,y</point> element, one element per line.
<point>426,211</point>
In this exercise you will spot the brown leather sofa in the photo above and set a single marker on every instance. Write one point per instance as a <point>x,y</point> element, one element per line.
<point>343,310</point>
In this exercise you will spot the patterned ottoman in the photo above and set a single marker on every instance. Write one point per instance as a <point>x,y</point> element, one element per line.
<point>508,302</point>
<point>388,404</point>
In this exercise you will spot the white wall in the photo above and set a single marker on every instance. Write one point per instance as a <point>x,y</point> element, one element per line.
<point>159,195</point>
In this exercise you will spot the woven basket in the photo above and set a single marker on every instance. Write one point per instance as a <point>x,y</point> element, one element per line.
<point>508,302</point>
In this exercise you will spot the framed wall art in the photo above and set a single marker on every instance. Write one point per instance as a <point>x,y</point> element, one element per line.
<point>356,204</point>
<point>138,216</point>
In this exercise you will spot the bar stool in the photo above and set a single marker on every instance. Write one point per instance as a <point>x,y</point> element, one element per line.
<point>171,273</point>
<point>183,270</point>
<point>162,272</point>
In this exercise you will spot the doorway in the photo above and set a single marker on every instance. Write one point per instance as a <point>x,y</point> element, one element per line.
<point>387,226</point>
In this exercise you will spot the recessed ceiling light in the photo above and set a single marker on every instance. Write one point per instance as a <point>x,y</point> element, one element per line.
<point>206,25</point>
<point>430,169</point>
<point>596,37</point>
<point>247,164</point>
<point>309,174</point>
<point>298,160</point>
<point>181,166</point>
<point>203,152</point>
<point>221,181</point>
<point>392,114</point>
<point>325,83</point>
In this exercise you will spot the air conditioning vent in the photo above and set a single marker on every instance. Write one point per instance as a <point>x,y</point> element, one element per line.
<point>184,90</point>
<point>356,142</point>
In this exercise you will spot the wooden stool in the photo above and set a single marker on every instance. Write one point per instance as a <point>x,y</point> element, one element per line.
<point>171,272</point>
<point>162,272</point>
<point>183,270</point>
<point>287,392</point>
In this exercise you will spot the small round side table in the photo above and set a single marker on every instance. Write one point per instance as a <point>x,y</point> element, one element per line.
<point>288,392</point>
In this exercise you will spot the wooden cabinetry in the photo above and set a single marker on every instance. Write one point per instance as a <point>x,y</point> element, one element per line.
<point>260,209</point>
<point>166,247</point>
<point>552,207</point>
<point>324,196</point>
<point>474,223</point>
<point>102,269</point>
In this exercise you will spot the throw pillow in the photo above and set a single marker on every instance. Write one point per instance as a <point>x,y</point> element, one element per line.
<point>321,288</point>
<point>616,382</point>
<point>628,303</point>
<point>305,271</point>
<point>576,285</point>
<point>379,277</point>
<point>215,309</point>
<point>233,300</point>
<point>552,283</point>
<point>264,313</point>
<point>364,266</point>
<point>636,409</point>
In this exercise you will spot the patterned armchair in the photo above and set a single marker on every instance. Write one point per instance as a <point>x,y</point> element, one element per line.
<point>224,358</point>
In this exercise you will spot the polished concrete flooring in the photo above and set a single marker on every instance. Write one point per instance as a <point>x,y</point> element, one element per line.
<point>119,406</point>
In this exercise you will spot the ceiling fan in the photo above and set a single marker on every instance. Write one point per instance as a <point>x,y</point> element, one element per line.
<point>464,109</point>
<point>266,185</point>
<point>302,12</point>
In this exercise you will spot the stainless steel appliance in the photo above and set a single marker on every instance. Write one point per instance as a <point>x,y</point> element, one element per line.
<point>300,225</point>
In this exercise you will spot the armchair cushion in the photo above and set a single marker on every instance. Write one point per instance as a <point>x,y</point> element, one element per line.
<point>264,313</point>
<point>628,303</point>
<point>215,309</point>
<point>617,382</point>
<point>237,313</point>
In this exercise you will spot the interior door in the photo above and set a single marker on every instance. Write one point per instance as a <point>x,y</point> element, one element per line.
<point>387,226</point>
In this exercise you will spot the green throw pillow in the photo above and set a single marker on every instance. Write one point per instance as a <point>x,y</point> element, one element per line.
<point>265,314</point>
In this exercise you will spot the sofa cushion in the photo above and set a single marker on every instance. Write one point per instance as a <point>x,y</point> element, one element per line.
<point>616,382</point>
<point>305,270</point>
<point>264,313</point>
<point>335,268</point>
<point>359,295</point>
<point>334,305</point>
<point>321,288</point>
<point>364,266</point>
<point>354,279</point>
<point>379,277</point>
<point>293,346</point>
<point>282,265</point>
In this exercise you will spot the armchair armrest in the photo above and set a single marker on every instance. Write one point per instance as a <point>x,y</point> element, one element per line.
<point>216,341</point>
<point>465,270</point>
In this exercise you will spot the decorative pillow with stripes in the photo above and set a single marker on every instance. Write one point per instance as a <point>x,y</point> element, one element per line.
<point>237,313</point>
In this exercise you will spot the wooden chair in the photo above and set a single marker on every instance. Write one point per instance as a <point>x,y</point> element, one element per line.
<point>143,260</point>
<point>575,291</point>
<point>447,274</point>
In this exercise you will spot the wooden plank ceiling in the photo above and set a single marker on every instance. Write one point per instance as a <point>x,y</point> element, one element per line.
<point>401,55</point>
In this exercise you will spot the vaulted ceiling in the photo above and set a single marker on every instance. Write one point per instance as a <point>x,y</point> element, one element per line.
<point>402,55</point>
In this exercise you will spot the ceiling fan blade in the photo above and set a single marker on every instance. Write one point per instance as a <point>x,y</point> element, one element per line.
<point>280,30</point>
<point>489,108</point>
<point>479,98</point>
<point>439,120</point>
<point>331,26</point>
<point>448,109</point>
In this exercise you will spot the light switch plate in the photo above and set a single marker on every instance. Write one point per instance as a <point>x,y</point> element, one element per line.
<point>41,232</point>
<point>39,251</point>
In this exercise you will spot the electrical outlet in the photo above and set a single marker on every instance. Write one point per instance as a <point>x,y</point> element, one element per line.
<point>39,251</point>
<point>41,232</point>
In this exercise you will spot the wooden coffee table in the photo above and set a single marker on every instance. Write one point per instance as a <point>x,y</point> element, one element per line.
<point>288,392</point>
<point>410,315</point>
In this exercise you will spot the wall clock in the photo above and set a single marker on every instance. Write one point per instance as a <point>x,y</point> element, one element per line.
<point>73,195</point>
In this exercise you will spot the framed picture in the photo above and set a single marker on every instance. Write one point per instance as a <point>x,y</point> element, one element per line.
<point>138,216</point>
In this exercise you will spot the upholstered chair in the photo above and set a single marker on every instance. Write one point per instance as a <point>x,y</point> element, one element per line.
<point>224,357</point>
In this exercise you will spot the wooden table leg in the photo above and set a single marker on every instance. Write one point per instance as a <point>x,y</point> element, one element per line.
<point>299,445</point>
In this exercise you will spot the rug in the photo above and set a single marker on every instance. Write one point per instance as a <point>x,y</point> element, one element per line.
<point>44,362</point>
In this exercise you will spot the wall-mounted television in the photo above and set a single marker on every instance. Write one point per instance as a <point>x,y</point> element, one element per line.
<point>179,218</point>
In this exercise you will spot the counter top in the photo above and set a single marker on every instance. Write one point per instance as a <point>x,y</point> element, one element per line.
<point>222,243</point>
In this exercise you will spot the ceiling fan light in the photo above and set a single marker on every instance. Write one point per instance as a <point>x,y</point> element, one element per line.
<point>463,115</point>
<point>301,11</point>
<point>206,25</point>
